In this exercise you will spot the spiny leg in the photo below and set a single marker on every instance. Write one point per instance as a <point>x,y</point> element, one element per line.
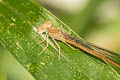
<point>58,48</point>
<point>60,54</point>
<point>46,45</point>
<point>43,39</point>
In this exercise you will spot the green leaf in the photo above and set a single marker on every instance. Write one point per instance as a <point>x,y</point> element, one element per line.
<point>17,18</point>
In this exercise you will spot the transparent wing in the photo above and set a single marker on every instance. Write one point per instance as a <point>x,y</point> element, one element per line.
<point>104,52</point>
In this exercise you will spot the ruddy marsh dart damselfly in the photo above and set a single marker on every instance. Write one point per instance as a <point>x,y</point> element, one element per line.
<point>58,34</point>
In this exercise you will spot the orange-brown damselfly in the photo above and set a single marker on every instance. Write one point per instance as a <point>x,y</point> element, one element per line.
<point>58,34</point>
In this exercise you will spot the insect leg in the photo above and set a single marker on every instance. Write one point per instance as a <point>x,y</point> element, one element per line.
<point>58,48</point>
<point>46,45</point>
<point>43,39</point>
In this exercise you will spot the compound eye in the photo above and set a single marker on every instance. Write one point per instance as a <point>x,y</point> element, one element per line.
<point>41,29</point>
<point>38,30</point>
<point>48,23</point>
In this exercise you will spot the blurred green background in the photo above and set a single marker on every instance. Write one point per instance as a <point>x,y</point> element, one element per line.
<point>97,21</point>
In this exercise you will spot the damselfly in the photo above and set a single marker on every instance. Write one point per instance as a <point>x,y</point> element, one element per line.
<point>58,34</point>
